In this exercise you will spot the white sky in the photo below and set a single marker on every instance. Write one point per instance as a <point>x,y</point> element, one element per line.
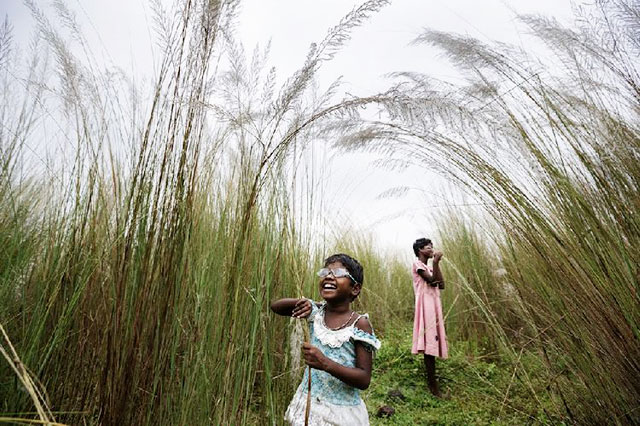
<point>119,31</point>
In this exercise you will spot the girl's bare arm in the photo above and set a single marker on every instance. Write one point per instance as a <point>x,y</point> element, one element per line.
<point>435,278</point>
<point>437,273</point>
<point>429,278</point>
<point>298,308</point>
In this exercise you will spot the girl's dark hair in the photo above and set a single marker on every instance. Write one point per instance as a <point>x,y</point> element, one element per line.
<point>353,266</point>
<point>420,242</point>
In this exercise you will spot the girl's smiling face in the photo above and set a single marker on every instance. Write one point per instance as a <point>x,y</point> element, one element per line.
<point>337,289</point>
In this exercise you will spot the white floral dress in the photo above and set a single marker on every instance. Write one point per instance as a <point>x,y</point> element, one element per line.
<point>333,402</point>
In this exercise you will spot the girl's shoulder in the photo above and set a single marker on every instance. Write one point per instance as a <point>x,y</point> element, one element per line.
<point>419,265</point>
<point>316,307</point>
<point>363,323</point>
<point>363,333</point>
<point>316,304</point>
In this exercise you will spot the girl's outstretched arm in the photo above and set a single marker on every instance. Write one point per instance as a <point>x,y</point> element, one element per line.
<point>297,308</point>
<point>358,376</point>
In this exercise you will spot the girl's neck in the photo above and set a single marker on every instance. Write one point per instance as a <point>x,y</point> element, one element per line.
<point>424,259</point>
<point>338,308</point>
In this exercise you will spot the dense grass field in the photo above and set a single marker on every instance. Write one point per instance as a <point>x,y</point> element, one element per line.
<point>140,253</point>
<point>477,388</point>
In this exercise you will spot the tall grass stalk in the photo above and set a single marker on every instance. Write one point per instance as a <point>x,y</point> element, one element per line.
<point>476,294</point>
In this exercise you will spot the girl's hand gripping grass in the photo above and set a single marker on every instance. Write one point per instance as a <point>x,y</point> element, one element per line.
<point>358,376</point>
<point>297,308</point>
<point>302,308</point>
<point>314,357</point>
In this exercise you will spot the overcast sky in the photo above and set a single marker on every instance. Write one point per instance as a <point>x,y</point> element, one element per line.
<point>119,31</point>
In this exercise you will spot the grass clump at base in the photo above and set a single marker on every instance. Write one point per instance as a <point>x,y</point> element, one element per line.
<point>476,389</point>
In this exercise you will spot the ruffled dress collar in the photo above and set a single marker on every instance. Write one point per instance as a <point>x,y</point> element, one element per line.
<point>336,338</point>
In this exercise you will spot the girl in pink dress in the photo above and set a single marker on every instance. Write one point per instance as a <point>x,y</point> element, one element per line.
<point>429,337</point>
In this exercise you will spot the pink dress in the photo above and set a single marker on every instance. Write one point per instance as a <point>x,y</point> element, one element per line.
<point>428,323</point>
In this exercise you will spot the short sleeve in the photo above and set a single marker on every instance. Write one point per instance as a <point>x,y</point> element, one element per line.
<point>370,341</point>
